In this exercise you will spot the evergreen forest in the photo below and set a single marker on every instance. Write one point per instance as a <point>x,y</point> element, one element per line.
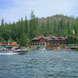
<point>24,30</point>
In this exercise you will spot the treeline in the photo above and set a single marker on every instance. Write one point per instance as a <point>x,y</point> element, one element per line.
<point>24,30</point>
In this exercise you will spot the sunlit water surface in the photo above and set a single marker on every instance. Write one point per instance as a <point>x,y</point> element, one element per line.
<point>39,64</point>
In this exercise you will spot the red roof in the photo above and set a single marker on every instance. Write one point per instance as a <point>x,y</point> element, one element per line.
<point>39,37</point>
<point>51,37</point>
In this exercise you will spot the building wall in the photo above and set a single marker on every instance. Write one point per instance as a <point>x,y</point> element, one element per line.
<point>55,43</point>
<point>50,42</point>
<point>38,43</point>
<point>8,44</point>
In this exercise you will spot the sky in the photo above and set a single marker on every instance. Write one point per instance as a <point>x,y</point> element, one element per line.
<point>13,10</point>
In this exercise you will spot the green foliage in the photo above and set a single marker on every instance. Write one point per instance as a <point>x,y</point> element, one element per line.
<point>24,40</point>
<point>77,49</point>
<point>2,39</point>
<point>2,22</point>
<point>70,39</point>
<point>10,39</point>
<point>23,30</point>
<point>62,46</point>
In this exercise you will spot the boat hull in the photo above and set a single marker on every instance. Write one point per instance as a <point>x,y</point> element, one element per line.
<point>20,51</point>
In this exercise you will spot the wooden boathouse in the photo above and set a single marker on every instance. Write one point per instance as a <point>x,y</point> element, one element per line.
<point>49,41</point>
<point>7,45</point>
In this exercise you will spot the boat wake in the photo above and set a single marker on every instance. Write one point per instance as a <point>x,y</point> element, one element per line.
<point>9,53</point>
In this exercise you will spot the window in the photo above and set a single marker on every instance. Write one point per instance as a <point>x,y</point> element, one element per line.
<point>43,43</point>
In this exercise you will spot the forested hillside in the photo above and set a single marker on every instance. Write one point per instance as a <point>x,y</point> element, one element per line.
<point>23,30</point>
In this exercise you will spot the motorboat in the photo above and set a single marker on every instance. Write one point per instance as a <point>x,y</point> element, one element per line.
<point>20,51</point>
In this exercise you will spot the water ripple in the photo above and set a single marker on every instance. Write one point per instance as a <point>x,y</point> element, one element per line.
<point>37,64</point>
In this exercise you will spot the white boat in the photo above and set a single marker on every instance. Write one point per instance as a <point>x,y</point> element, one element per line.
<point>20,51</point>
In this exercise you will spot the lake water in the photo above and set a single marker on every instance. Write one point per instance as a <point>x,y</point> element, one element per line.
<point>39,64</point>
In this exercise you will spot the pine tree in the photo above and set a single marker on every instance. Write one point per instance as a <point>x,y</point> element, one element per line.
<point>33,25</point>
<point>24,39</point>
<point>2,22</point>
<point>48,27</point>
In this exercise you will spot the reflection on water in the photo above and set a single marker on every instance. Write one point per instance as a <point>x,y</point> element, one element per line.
<point>40,64</point>
<point>8,53</point>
